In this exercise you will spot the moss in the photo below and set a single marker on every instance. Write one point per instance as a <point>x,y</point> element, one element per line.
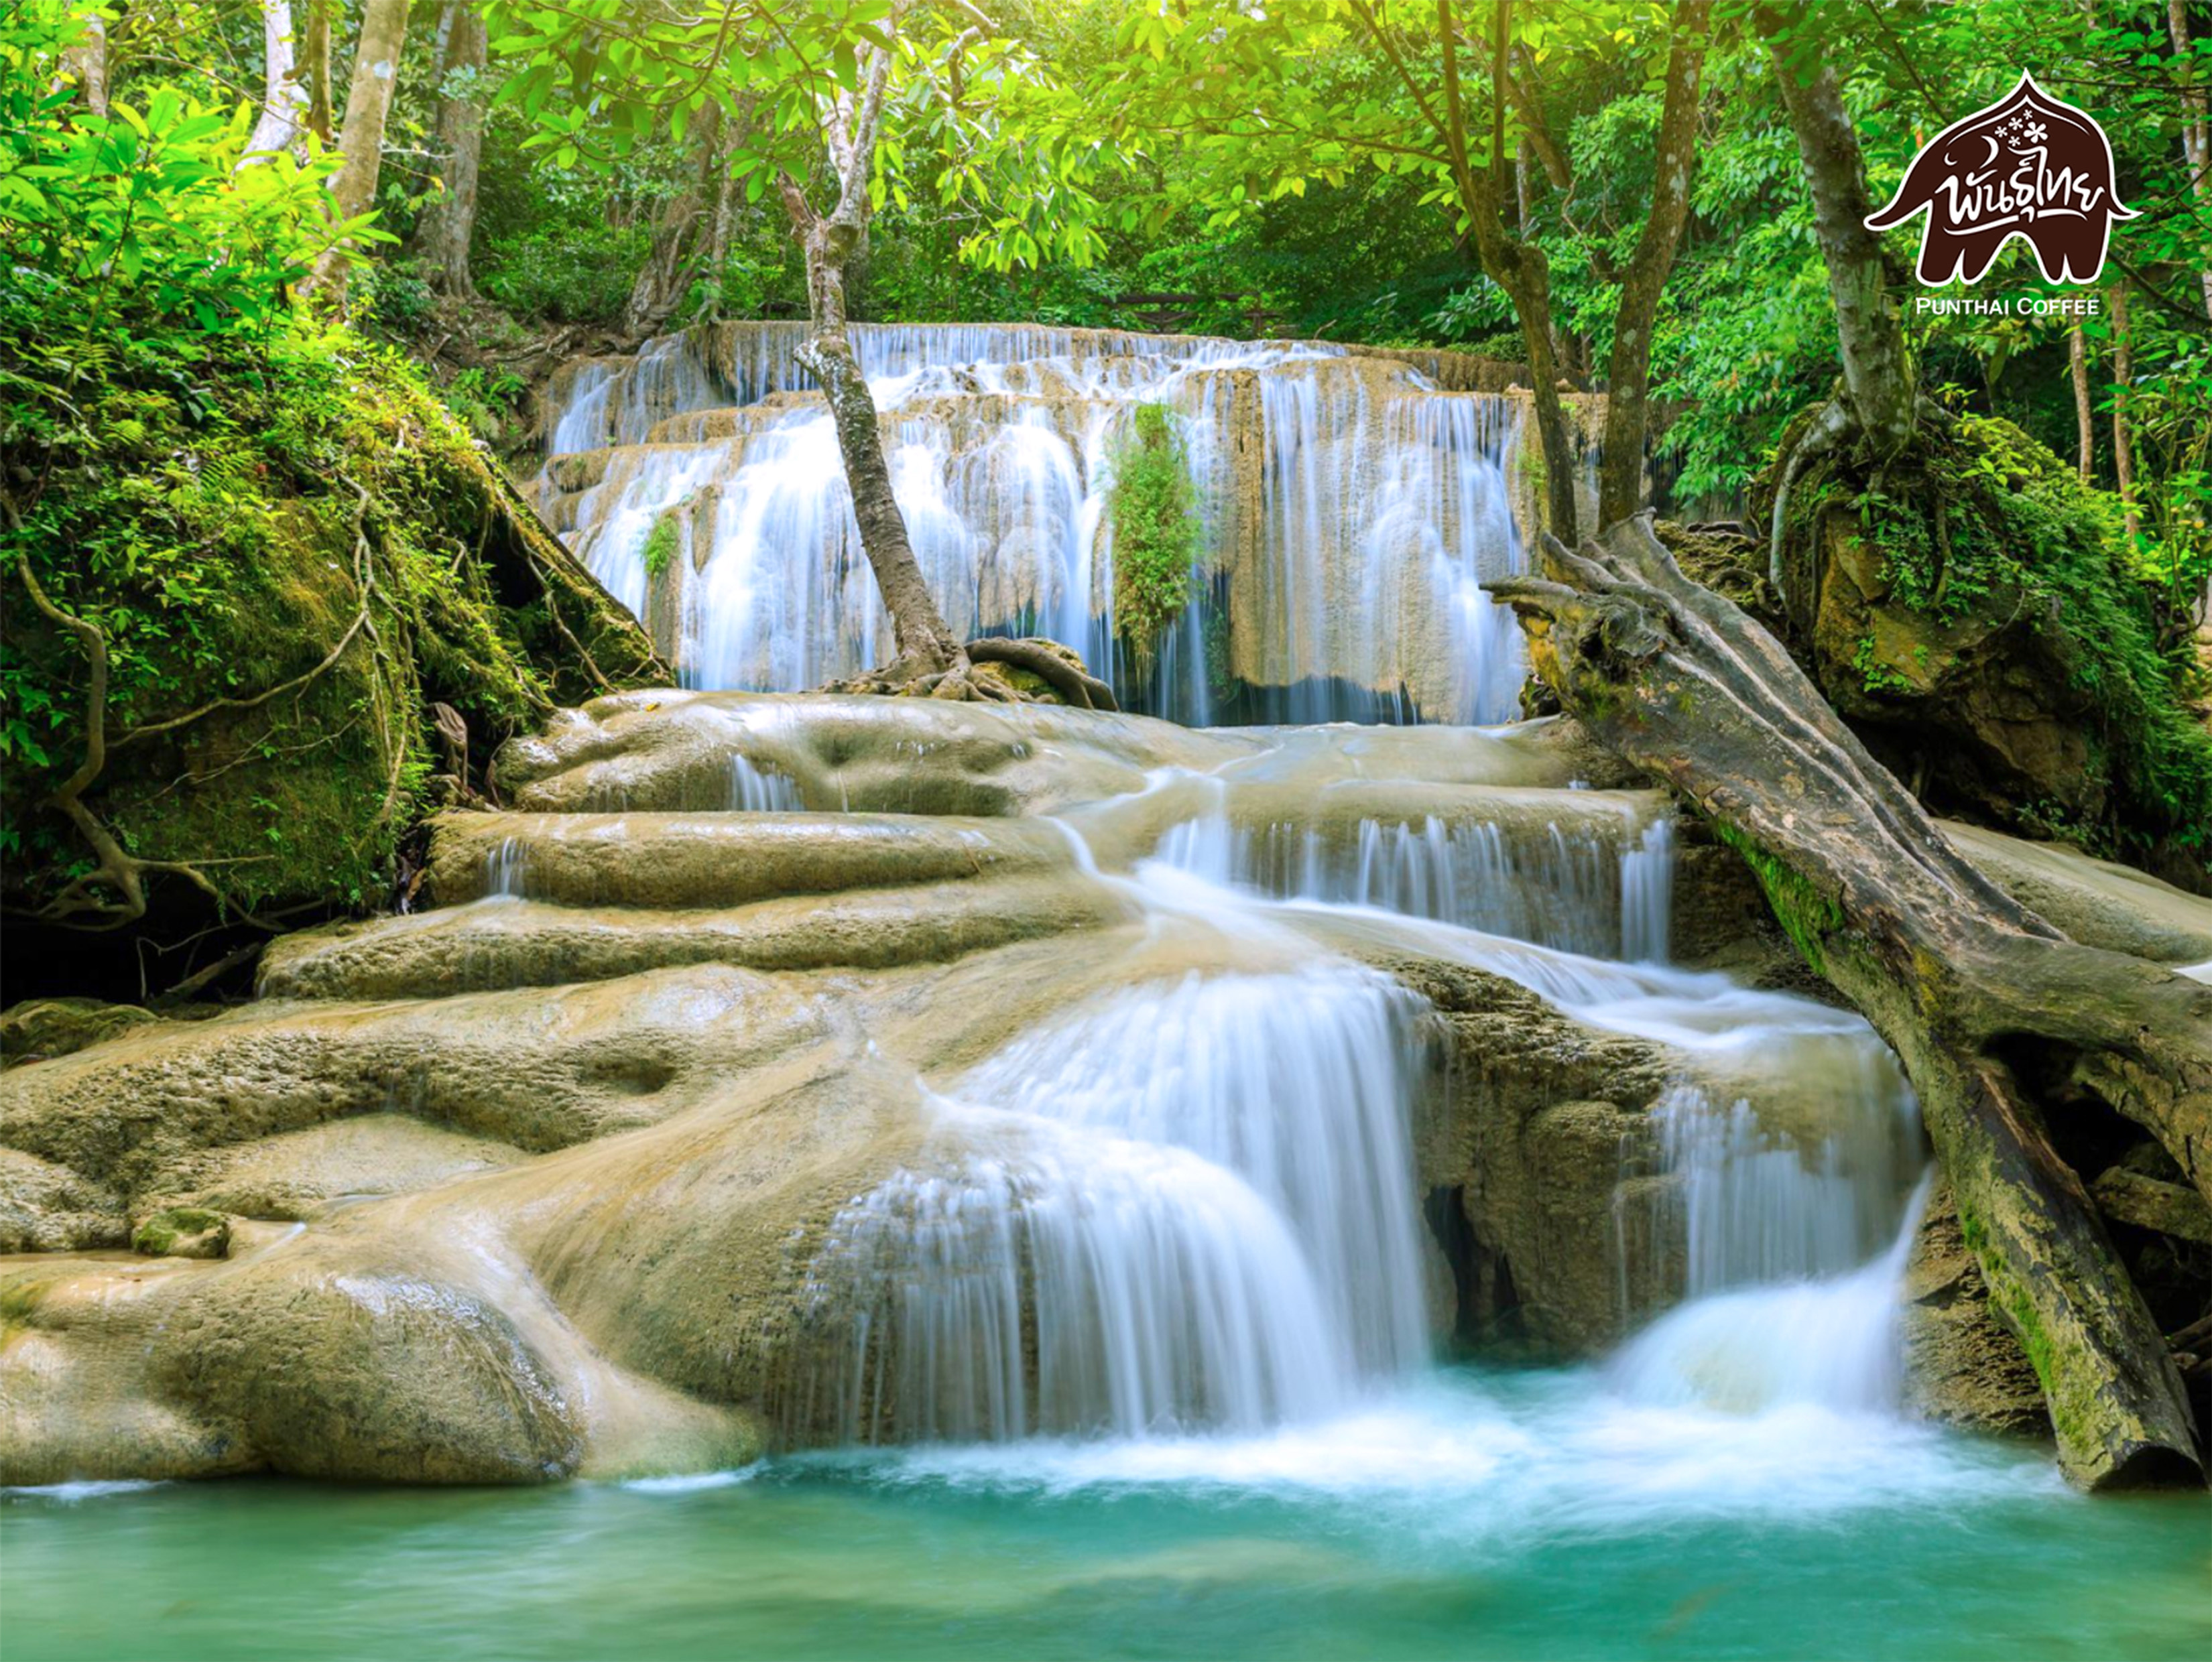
<point>194,1229</point>
<point>1156,530</point>
<point>2068,1394</point>
<point>1807,916</point>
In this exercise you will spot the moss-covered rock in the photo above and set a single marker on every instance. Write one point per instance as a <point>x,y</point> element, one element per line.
<point>1972,610</point>
<point>40,1027</point>
<point>183,1232</point>
<point>287,567</point>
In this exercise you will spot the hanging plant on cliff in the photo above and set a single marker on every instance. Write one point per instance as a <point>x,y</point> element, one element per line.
<point>1156,530</point>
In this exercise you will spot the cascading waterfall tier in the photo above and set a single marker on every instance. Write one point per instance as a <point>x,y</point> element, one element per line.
<point>1350,509</point>
<point>1194,1210</point>
<point>1606,894</point>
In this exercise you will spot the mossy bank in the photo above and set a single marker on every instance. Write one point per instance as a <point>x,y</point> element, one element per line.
<point>267,607</point>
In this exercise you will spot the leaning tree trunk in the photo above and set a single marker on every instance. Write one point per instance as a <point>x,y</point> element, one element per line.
<point>925,642</point>
<point>1880,402</point>
<point>2000,1020</point>
<point>361,142</point>
<point>1877,376</point>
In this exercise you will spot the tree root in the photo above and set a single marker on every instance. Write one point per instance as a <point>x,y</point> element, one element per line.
<point>1046,659</point>
<point>76,905</point>
<point>1830,429</point>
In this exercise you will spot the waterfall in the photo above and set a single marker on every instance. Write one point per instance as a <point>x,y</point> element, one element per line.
<point>1755,1207</point>
<point>1792,1257</point>
<point>1602,894</point>
<point>1201,1218</point>
<point>755,791</point>
<point>503,870</point>
<point>1832,1342</point>
<point>1350,512</point>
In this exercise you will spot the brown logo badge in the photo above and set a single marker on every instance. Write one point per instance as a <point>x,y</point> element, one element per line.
<point>2026,166</point>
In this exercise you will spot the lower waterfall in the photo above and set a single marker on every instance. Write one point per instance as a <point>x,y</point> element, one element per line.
<point>1197,1215</point>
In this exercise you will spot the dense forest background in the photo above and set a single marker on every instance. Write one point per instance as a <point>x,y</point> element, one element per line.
<point>278,276</point>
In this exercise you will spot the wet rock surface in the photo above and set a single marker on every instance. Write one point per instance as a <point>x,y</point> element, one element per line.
<point>517,1188</point>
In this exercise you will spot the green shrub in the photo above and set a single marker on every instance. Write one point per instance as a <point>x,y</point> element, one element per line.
<point>564,273</point>
<point>1155,529</point>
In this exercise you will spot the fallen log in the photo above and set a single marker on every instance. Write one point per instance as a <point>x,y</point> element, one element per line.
<point>1999,1019</point>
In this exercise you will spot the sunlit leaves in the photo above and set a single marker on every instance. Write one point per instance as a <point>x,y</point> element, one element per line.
<point>146,214</point>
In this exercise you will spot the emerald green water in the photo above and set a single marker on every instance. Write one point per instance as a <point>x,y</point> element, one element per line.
<point>1523,1516</point>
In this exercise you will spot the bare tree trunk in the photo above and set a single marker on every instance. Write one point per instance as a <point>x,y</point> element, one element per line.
<point>2124,376</point>
<point>925,642</point>
<point>285,106</point>
<point>1517,267</point>
<point>361,143</point>
<point>677,245</point>
<point>2002,1022</point>
<point>1628,370</point>
<point>2196,123</point>
<point>84,61</point>
<point>2085,426</point>
<point>1877,375</point>
<point>449,224</point>
<point>727,206</point>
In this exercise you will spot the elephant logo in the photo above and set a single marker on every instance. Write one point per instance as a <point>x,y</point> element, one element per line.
<point>2027,166</point>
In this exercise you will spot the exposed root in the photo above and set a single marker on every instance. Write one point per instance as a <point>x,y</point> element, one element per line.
<point>1050,665</point>
<point>1830,429</point>
<point>1048,660</point>
<point>77,905</point>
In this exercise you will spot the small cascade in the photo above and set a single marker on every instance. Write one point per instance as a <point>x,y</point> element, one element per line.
<point>1089,1285</point>
<point>1647,895</point>
<point>1755,1207</point>
<point>1792,1257</point>
<point>1203,1218</point>
<point>754,790</point>
<point>503,870</point>
<point>1602,894</point>
<point>1832,1342</point>
<point>1350,509</point>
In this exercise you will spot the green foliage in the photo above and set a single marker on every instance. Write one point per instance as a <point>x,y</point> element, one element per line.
<point>286,544</point>
<point>561,273</point>
<point>661,545</point>
<point>142,224</point>
<point>1155,529</point>
<point>486,399</point>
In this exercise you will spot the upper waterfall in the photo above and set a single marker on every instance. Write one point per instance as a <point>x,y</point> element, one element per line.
<point>1352,504</point>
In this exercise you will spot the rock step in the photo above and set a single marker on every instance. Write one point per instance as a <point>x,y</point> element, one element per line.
<point>674,861</point>
<point>2096,902</point>
<point>530,944</point>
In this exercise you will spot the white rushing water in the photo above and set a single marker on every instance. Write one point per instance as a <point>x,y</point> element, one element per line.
<point>1606,894</point>
<point>1194,1214</point>
<point>1342,558</point>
